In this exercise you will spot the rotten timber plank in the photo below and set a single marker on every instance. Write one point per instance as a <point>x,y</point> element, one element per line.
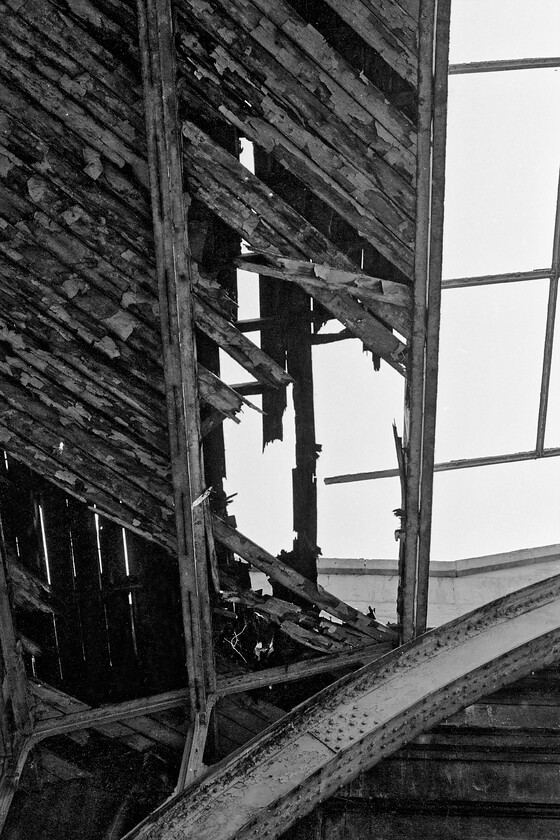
<point>279,571</point>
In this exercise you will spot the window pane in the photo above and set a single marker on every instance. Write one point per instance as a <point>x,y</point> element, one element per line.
<point>502,172</point>
<point>490,369</point>
<point>493,29</point>
<point>492,509</point>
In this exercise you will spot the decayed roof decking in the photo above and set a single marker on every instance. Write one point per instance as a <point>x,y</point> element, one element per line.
<point>329,98</point>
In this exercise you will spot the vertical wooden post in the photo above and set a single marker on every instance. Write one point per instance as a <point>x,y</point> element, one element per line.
<point>424,348</point>
<point>439,134</point>
<point>300,366</point>
<point>173,266</point>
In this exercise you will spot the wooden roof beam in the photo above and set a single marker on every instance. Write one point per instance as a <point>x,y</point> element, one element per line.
<point>174,274</point>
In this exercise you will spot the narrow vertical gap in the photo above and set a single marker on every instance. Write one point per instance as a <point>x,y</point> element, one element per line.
<point>57,645</point>
<point>6,463</point>
<point>18,552</point>
<point>45,549</point>
<point>49,581</point>
<point>130,602</point>
<point>98,527</point>
<point>72,555</point>
<point>132,624</point>
<point>125,552</point>
<point>99,558</point>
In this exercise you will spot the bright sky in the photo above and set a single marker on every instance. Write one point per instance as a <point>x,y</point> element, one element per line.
<point>502,172</point>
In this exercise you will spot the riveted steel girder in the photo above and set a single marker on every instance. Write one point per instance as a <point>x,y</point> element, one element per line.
<point>356,722</point>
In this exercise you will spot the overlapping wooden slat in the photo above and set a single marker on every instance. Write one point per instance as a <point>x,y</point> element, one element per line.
<point>341,88</point>
<point>388,27</point>
<point>382,212</point>
<point>292,53</point>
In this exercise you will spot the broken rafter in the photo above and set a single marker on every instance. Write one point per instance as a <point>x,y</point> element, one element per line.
<point>176,312</point>
<point>306,627</point>
<point>268,224</point>
<point>312,142</point>
<point>280,572</point>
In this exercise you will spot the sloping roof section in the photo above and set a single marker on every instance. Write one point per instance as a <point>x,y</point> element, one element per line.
<point>123,206</point>
<point>81,361</point>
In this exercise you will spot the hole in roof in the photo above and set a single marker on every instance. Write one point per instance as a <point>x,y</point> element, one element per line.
<point>490,369</point>
<point>483,30</point>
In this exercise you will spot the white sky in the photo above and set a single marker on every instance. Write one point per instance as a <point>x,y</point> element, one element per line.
<point>502,170</point>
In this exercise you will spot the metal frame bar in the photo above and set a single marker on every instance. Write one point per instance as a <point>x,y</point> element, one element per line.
<point>549,330</point>
<point>491,279</point>
<point>445,466</point>
<point>498,65</point>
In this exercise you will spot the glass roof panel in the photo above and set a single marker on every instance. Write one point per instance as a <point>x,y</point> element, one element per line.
<point>490,369</point>
<point>503,507</point>
<point>483,30</point>
<point>502,172</point>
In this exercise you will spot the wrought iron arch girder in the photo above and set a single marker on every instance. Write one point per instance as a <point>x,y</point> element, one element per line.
<point>352,725</point>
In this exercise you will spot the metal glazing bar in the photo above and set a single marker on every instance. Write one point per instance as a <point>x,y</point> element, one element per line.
<point>491,279</point>
<point>446,466</point>
<point>503,64</point>
<point>549,330</point>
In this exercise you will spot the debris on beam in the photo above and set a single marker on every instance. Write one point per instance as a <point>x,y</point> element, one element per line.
<point>280,572</point>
